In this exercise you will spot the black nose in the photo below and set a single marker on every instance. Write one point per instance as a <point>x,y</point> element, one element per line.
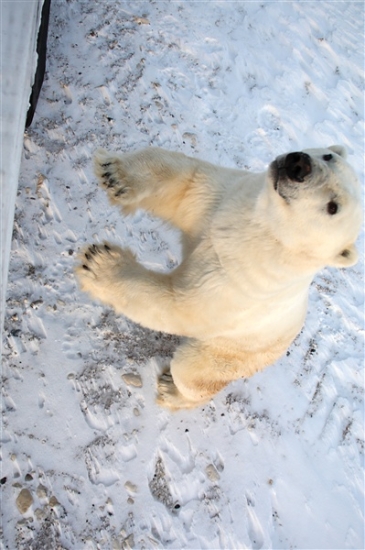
<point>297,166</point>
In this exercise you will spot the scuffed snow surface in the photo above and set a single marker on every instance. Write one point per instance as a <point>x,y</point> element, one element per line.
<point>273,462</point>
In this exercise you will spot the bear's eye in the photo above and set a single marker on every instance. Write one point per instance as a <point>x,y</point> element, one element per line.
<point>332,208</point>
<point>327,157</point>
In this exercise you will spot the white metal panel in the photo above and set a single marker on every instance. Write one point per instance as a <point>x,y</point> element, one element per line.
<point>19,28</point>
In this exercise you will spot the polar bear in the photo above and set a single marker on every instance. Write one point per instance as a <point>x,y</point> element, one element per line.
<point>252,243</point>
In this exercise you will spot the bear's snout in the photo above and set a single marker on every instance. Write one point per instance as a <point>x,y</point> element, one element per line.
<point>297,166</point>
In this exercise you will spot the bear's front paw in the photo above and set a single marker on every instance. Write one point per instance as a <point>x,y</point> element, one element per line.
<point>101,269</point>
<point>114,177</point>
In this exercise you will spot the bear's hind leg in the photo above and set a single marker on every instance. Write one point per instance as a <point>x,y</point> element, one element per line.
<point>199,370</point>
<point>197,374</point>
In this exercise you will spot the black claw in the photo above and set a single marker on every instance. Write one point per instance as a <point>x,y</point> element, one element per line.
<point>93,250</point>
<point>120,192</point>
<point>112,182</point>
<point>86,267</point>
<point>87,256</point>
<point>107,247</point>
<point>106,164</point>
<point>106,175</point>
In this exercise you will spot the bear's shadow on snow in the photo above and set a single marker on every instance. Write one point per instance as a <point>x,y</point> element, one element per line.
<point>136,343</point>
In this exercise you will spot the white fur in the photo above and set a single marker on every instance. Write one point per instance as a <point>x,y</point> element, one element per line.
<point>240,293</point>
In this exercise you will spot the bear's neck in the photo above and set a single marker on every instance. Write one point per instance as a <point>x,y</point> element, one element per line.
<point>257,262</point>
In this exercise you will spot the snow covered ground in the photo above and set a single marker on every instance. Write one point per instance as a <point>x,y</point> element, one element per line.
<point>89,460</point>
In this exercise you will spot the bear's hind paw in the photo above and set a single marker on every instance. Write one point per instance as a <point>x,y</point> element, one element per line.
<point>168,395</point>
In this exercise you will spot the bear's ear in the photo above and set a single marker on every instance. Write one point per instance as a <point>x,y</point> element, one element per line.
<point>339,149</point>
<point>346,258</point>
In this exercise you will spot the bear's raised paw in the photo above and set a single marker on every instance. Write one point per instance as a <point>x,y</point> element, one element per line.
<point>115,178</point>
<point>101,266</point>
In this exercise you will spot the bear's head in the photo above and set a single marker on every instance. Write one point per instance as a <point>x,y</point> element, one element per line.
<point>313,206</point>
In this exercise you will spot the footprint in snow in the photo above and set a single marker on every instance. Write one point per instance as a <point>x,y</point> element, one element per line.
<point>255,530</point>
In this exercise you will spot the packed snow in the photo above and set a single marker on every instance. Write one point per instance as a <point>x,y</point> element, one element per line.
<point>89,461</point>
